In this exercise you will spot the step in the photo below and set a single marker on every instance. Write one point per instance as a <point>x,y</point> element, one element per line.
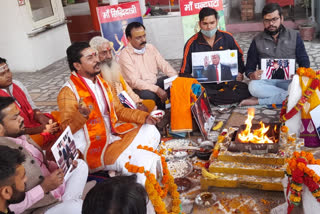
<point>247,169</point>
<point>242,181</point>
<point>272,159</point>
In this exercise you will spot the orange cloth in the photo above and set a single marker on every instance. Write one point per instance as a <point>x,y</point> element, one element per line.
<point>181,96</point>
<point>68,105</point>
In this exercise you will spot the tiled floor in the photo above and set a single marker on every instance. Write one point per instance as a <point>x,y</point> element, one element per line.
<point>44,85</point>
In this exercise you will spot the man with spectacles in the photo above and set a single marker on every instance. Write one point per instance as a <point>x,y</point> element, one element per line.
<point>275,42</point>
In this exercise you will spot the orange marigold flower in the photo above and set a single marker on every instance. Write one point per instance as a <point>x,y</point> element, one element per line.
<point>141,169</point>
<point>303,153</point>
<point>309,156</point>
<point>296,154</point>
<point>134,169</point>
<point>215,153</point>
<point>284,129</point>
<point>127,165</point>
<point>301,166</point>
<point>139,147</point>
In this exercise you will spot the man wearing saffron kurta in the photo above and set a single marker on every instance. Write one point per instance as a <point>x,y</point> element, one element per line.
<point>86,105</point>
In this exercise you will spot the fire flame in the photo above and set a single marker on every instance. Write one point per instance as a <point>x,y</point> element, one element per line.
<point>258,135</point>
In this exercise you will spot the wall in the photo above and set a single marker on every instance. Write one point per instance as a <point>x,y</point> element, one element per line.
<point>29,54</point>
<point>169,40</point>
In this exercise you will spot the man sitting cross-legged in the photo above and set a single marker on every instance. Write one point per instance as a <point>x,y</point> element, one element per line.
<point>111,72</point>
<point>47,192</point>
<point>37,125</point>
<point>105,132</point>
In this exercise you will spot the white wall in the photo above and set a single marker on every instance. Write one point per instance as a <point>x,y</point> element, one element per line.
<point>29,54</point>
<point>166,34</point>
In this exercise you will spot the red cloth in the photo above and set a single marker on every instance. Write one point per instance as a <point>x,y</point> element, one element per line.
<point>23,105</point>
<point>282,3</point>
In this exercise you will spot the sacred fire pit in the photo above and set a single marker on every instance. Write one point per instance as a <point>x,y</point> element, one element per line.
<point>256,138</point>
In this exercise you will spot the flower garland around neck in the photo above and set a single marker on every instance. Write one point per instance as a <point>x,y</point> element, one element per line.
<point>315,76</point>
<point>155,191</point>
<point>298,174</point>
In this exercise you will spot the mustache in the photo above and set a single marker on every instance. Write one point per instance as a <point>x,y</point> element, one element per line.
<point>143,43</point>
<point>98,64</point>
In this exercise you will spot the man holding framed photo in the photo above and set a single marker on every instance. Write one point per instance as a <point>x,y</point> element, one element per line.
<point>275,42</point>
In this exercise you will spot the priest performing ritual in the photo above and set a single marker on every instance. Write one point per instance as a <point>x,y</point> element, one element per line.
<point>95,117</point>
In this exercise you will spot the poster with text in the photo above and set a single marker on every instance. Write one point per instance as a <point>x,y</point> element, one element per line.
<point>278,68</point>
<point>113,21</point>
<point>215,66</point>
<point>190,15</point>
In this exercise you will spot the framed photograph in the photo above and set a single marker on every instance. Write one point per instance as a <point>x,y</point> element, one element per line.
<point>202,113</point>
<point>64,151</point>
<point>278,68</point>
<point>215,66</point>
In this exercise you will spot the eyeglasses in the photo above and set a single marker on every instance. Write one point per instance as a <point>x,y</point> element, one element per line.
<point>273,20</point>
<point>4,68</point>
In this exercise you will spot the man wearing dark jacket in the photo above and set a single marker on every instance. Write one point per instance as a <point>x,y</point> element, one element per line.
<point>275,42</point>
<point>210,39</point>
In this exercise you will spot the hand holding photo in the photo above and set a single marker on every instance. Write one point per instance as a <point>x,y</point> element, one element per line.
<point>65,152</point>
<point>277,68</point>
<point>215,66</point>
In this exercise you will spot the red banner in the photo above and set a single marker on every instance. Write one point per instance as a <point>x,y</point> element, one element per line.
<point>189,7</point>
<point>119,12</point>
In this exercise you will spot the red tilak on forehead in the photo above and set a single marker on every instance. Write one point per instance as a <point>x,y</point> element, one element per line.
<point>89,53</point>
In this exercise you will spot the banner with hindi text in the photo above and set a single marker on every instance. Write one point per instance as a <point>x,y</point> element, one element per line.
<point>190,15</point>
<point>114,19</point>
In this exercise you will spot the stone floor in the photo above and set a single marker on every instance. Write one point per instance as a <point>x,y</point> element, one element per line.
<point>44,85</point>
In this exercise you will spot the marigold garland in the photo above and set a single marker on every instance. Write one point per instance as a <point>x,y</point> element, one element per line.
<point>300,174</point>
<point>155,191</point>
<point>315,76</point>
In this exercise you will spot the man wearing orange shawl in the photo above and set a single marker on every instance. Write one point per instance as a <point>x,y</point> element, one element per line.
<point>86,105</point>
<point>111,72</point>
<point>37,124</point>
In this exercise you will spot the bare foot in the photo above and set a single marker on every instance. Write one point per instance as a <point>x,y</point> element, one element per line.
<point>112,173</point>
<point>249,102</point>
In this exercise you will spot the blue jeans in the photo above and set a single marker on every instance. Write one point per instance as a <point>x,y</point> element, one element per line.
<point>269,91</point>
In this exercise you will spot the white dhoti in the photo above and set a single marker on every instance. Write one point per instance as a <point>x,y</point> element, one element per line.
<point>148,135</point>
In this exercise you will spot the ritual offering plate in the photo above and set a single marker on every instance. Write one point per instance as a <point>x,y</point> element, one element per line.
<point>179,168</point>
<point>205,199</point>
<point>184,184</point>
<point>157,113</point>
<point>172,151</point>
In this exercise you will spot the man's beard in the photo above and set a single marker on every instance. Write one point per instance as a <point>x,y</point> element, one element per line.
<point>20,132</point>
<point>110,71</point>
<point>17,196</point>
<point>273,32</point>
